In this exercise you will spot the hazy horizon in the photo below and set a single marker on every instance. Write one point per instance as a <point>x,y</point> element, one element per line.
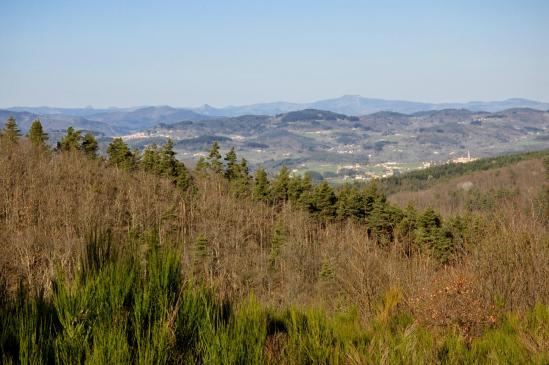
<point>246,104</point>
<point>105,54</point>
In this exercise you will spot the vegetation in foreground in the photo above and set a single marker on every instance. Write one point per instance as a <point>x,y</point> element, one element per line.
<point>254,263</point>
<point>134,306</point>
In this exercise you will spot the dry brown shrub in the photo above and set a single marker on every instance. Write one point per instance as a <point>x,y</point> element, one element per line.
<point>49,202</point>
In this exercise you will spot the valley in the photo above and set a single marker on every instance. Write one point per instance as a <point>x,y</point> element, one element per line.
<point>339,148</point>
<point>330,146</point>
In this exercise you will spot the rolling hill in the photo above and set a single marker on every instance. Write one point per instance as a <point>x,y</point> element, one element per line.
<point>357,105</point>
<point>319,140</point>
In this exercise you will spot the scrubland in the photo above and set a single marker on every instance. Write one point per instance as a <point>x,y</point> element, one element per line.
<point>104,265</point>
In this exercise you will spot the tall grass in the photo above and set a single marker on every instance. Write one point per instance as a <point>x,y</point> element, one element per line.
<point>130,308</point>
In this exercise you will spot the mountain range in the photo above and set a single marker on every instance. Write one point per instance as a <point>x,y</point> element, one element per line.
<point>357,105</point>
<point>115,121</point>
<point>323,136</point>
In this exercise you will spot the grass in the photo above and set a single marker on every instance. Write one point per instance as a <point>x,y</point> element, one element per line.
<point>125,307</point>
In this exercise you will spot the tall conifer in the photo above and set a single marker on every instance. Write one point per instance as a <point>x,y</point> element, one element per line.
<point>36,134</point>
<point>11,132</point>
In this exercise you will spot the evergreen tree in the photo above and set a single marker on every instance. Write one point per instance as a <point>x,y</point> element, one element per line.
<point>70,141</point>
<point>232,169</point>
<point>202,165</point>
<point>120,155</point>
<point>306,197</point>
<point>162,162</point>
<point>405,229</point>
<point>172,168</point>
<point>295,189</point>
<point>261,188</point>
<point>11,131</point>
<point>36,134</point>
<point>89,145</point>
<point>183,179</point>
<point>168,163</point>
<point>279,186</point>
<point>431,234</point>
<point>382,221</point>
<point>371,196</point>
<point>244,169</point>
<point>214,159</point>
<point>150,162</point>
<point>240,183</point>
<point>324,201</point>
<point>350,203</point>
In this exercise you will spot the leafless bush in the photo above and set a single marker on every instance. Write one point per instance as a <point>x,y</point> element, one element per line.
<point>49,202</point>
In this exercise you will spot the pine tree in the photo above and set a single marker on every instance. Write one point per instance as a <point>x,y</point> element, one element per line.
<point>295,186</point>
<point>168,163</point>
<point>261,188</point>
<point>120,155</point>
<point>162,162</point>
<point>383,220</point>
<point>11,131</point>
<point>371,196</point>
<point>431,234</point>
<point>150,162</point>
<point>172,168</point>
<point>306,198</point>
<point>202,165</point>
<point>71,141</point>
<point>244,170</point>
<point>184,180</point>
<point>405,229</point>
<point>89,145</point>
<point>324,201</point>
<point>350,203</point>
<point>231,171</point>
<point>240,180</point>
<point>279,186</point>
<point>36,134</point>
<point>214,159</point>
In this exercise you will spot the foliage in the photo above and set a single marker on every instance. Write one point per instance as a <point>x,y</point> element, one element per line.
<point>71,141</point>
<point>89,145</point>
<point>119,155</point>
<point>261,187</point>
<point>421,179</point>
<point>36,134</point>
<point>214,159</point>
<point>126,309</point>
<point>280,185</point>
<point>11,132</point>
<point>386,223</point>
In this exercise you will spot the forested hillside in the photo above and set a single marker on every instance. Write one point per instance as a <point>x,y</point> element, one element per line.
<point>425,178</point>
<point>134,258</point>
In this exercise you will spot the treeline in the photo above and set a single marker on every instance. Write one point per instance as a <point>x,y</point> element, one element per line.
<point>421,179</point>
<point>386,223</point>
<point>156,160</point>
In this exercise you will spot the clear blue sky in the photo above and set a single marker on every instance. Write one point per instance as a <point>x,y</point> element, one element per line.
<point>187,53</point>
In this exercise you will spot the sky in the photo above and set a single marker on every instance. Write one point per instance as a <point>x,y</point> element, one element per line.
<point>188,53</point>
